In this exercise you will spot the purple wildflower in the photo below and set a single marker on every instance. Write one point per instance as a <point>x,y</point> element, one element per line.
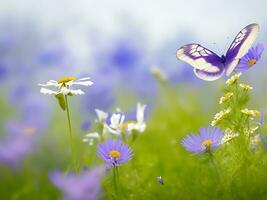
<point>208,139</point>
<point>114,152</point>
<point>3,71</point>
<point>18,143</point>
<point>87,185</point>
<point>85,126</point>
<point>250,59</point>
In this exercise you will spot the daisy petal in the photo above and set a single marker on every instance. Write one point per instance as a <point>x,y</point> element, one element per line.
<point>47,91</point>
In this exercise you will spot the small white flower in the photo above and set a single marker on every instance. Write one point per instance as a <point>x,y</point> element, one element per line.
<point>101,116</point>
<point>64,86</point>
<point>140,124</point>
<point>158,73</point>
<point>91,137</point>
<point>255,142</point>
<point>228,137</point>
<point>116,123</point>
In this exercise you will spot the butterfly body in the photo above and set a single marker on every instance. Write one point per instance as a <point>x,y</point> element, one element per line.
<point>223,59</point>
<point>208,65</point>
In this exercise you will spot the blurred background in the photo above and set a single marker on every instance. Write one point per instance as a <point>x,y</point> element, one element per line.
<point>116,43</point>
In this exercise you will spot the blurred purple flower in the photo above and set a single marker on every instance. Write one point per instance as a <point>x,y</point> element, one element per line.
<point>85,126</point>
<point>18,93</point>
<point>123,60</point>
<point>3,71</point>
<point>114,152</point>
<point>54,55</point>
<point>18,143</point>
<point>145,86</point>
<point>185,75</point>
<point>123,54</point>
<point>35,105</point>
<point>85,186</point>
<point>50,56</point>
<point>208,139</point>
<point>100,97</point>
<point>250,59</point>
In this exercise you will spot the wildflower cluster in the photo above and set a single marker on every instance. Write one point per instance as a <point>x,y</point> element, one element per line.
<point>239,118</point>
<point>219,116</point>
<point>235,118</point>
<point>113,132</point>
<point>225,98</point>
<point>251,113</point>
<point>116,126</point>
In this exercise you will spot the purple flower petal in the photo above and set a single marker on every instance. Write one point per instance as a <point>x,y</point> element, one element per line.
<point>87,185</point>
<point>253,53</point>
<point>194,142</point>
<point>106,147</point>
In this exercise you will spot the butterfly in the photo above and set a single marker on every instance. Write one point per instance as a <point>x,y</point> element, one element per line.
<point>208,65</point>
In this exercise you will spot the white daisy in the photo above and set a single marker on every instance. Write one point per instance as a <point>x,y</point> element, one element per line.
<point>64,86</point>
<point>101,116</point>
<point>116,123</point>
<point>91,137</point>
<point>140,124</point>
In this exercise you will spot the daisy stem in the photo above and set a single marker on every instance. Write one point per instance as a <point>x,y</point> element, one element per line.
<point>214,165</point>
<point>116,180</point>
<point>70,132</point>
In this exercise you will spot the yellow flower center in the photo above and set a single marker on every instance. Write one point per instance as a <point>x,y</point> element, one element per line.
<point>66,79</point>
<point>124,126</point>
<point>252,62</point>
<point>29,131</point>
<point>206,144</point>
<point>114,154</point>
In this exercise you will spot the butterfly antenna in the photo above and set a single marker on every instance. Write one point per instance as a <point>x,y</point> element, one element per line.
<point>218,50</point>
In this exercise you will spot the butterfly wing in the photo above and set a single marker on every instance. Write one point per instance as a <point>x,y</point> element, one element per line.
<point>210,74</point>
<point>207,65</point>
<point>240,46</point>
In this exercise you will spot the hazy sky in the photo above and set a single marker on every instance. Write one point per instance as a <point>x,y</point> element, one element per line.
<point>209,21</point>
<point>159,18</point>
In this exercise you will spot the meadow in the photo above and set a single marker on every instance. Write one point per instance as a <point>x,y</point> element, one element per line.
<point>122,120</point>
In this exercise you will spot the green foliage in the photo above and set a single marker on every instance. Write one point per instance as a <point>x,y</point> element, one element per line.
<point>157,152</point>
<point>235,102</point>
<point>61,101</point>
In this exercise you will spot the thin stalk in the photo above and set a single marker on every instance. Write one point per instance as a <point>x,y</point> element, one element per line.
<point>214,166</point>
<point>116,180</point>
<point>70,132</point>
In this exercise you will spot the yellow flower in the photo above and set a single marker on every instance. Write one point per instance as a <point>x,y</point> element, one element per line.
<point>219,116</point>
<point>228,137</point>
<point>245,87</point>
<point>66,79</point>
<point>253,129</point>
<point>250,113</point>
<point>233,79</point>
<point>226,97</point>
